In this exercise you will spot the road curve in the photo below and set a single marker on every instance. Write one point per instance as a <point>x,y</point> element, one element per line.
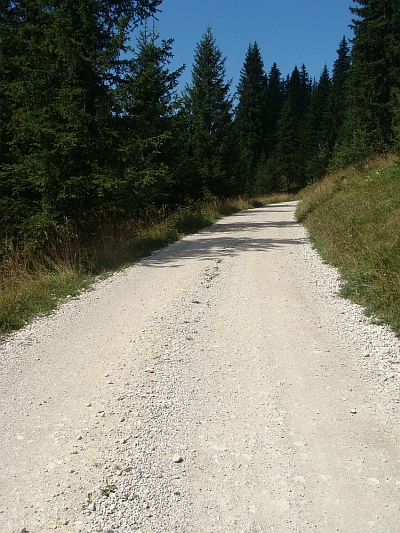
<point>220,385</point>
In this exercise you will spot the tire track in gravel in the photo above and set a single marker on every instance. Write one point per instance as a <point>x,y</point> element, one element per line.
<point>229,350</point>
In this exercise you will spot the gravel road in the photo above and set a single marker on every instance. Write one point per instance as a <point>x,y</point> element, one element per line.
<point>220,385</point>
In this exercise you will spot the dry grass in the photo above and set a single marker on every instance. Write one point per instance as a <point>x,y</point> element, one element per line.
<point>28,287</point>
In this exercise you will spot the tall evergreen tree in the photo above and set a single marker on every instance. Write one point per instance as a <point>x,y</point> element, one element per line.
<point>375,72</point>
<point>287,155</point>
<point>267,174</point>
<point>317,140</point>
<point>339,97</point>
<point>63,65</point>
<point>306,87</point>
<point>276,97</point>
<point>146,107</point>
<point>290,156</point>
<point>9,206</point>
<point>208,107</point>
<point>252,114</point>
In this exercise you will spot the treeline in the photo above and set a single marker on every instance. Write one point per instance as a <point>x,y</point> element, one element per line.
<point>92,127</point>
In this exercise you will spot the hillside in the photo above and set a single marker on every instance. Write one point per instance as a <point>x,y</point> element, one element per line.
<point>353,217</point>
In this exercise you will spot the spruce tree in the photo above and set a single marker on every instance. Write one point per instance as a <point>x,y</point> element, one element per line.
<point>208,112</point>
<point>252,114</point>
<point>276,98</point>
<point>318,131</point>
<point>146,109</point>
<point>289,155</point>
<point>339,99</point>
<point>9,208</point>
<point>306,87</point>
<point>375,72</point>
<point>61,66</point>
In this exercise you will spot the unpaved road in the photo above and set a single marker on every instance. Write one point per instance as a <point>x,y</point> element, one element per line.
<point>219,386</point>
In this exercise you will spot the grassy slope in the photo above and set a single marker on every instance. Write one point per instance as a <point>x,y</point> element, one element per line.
<point>353,217</point>
<point>32,285</point>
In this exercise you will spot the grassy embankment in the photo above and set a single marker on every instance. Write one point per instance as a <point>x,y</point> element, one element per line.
<point>33,283</point>
<point>353,217</point>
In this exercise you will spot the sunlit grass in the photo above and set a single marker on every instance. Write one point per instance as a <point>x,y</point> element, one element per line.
<point>353,217</point>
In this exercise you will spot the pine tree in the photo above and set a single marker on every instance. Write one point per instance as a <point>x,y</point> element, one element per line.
<point>147,105</point>
<point>289,153</point>
<point>318,142</point>
<point>62,66</point>
<point>252,114</point>
<point>208,112</point>
<point>375,72</point>
<point>339,100</point>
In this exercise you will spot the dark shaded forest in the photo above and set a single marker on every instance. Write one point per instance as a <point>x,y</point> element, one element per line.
<point>92,127</point>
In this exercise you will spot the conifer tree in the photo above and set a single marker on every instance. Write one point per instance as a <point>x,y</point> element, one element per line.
<point>339,100</point>
<point>305,91</point>
<point>208,112</point>
<point>289,156</point>
<point>375,72</point>
<point>276,98</point>
<point>252,114</point>
<point>146,107</point>
<point>317,143</point>
<point>63,64</point>
<point>268,178</point>
<point>8,207</point>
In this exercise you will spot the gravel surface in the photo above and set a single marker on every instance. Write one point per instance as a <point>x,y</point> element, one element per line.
<point>220,385</point>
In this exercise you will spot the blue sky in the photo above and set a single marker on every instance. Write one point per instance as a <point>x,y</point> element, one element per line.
<point>289,32</point>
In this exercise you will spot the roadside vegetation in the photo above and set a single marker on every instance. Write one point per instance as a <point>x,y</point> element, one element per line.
<point>34,280</point>
<point>353,217</point>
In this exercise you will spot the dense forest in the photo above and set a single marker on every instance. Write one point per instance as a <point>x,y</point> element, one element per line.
<point>92,127</point>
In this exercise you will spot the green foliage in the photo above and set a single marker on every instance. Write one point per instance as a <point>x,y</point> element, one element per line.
<point>252,115</point>
<point>208,116</point>
<point>145,107</point>
<point>288,155</point>
<point>59,70</point>
<point>318,136</point>
<point>276,99</point>
<point>339,97</point>
<point>375,71</point>
<point>287,151</point>
<point>396,120</point>
<point>353,217</point>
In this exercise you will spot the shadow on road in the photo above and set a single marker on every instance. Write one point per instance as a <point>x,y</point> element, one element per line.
<point>231,236</point>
